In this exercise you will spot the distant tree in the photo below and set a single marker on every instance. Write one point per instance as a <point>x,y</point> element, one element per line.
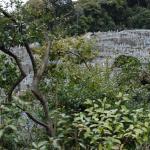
<point>56,14</point>
<point>140,18</point>
<point>143,3</point>
<point>90,16</point>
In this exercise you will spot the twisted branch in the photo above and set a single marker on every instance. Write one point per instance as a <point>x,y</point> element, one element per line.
<point>22,76</point>
<point>37,76</point>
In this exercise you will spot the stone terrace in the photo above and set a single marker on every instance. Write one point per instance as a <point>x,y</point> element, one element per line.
<point>134,43</point>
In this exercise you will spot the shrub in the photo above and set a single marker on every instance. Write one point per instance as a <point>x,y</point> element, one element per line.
<point>106,126</point>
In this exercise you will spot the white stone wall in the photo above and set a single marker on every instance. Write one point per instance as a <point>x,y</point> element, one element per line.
<point>21,53</point>
<point>128,42</point>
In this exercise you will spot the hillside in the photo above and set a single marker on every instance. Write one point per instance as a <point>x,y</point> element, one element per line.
<point>134,43</point>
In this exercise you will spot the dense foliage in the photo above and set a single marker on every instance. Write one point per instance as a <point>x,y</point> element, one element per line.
<point>90,107</point>
<point>97,15</point>
<point>91,16</point>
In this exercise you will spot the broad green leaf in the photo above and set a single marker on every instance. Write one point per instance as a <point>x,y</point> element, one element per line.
<point>34,145</point>
<point>12,127</point>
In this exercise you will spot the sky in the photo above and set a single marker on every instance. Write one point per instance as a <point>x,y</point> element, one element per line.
<point>4,3</point>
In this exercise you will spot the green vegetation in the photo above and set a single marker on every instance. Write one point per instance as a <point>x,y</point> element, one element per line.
<point>72,104</point>
<point>92,16</point>
<point>97,15</point>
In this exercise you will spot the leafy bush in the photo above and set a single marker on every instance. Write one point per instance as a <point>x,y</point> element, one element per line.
<point>105,126</point>
<point>127,61</point>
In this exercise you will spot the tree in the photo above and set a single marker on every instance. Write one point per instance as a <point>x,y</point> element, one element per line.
<point>93,16</point>
<point>15,31</point>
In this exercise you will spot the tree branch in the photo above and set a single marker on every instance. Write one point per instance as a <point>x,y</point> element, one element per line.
<point>42,100</point>
<point>6,14</point>
<point>23,75</point>
<point>39,95</point>
<point>44,61</point>
<point>29,51</point>
<point>15,85</point>
<point>37,76</point>
<point>33,118</point>
<point>79,56</point>
<point>37,79</point>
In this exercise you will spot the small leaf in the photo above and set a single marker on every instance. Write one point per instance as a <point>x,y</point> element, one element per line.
<point>42,143</point>
<point>82,145</point>
<point>1,132</point>
<point>34,145</point>
<point>120,95</point>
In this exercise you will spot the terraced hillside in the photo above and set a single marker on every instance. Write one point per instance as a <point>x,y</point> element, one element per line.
<point>134,43</point>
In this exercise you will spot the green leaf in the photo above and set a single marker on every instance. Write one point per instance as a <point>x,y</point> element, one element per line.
<point>138,131</point>
<point>116,140</point>
<point>34,145</point>
<point>43,148</point>
<point>146,124</point>
<point>107,125</point>
<point>131,127</point>
<point>1,132</point>
<point>126,97</point>
<point>42,143</point>
<point>12,127</point>
<point>120,95</point>
<point>100,147</point>
<point>145,138</point>
<point>82,145</point>
<point>126,119</point>
<point>118,127</point>
<point>124,108</point>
